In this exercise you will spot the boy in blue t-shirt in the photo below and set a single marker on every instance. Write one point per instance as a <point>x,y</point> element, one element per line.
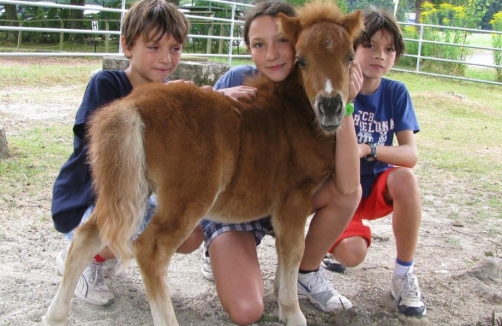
<point>383,108</point>
<point>153,34</point>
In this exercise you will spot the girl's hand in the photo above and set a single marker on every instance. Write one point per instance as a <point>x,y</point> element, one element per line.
<point>356,81</point>
<point>180,81</point>
<point>206,88</point>
<point>238,92</point>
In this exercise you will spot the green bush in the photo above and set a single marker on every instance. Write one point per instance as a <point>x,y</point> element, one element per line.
<point>496,23</point>
<point>409,32</point>
<point>446,15</point>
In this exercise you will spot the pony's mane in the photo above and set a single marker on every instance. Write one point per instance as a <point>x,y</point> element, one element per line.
<point>319,10</point>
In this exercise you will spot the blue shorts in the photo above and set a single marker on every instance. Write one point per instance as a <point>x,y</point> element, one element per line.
<point>151,205</point>
<point>259,228</point>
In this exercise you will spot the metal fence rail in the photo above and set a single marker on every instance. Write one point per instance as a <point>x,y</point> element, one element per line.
<point>232,22</point>
<point>231,37</point>
<point>420,57</point>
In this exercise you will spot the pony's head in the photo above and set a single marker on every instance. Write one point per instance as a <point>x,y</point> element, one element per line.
<point>323,39</point>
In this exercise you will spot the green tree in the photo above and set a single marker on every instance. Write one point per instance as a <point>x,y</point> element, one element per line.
<point>496,23</point>
<point>76,20</point>
<point>11,14</point>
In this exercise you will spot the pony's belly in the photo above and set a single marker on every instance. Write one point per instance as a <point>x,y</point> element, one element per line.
<point>239,211</point>
<point>232,219</point>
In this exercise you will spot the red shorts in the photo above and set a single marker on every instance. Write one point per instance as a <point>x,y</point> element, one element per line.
<point>370,208</point>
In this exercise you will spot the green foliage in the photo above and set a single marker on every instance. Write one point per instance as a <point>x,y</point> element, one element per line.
<point>409,32</point>
<point>204,27</point>
<point>446,15</point>
<point>112,17</point>
<point>341,3</point>
<point>476,10</point>
<point>496,23</point>
<point>296,3</point>
<point>45,17</point>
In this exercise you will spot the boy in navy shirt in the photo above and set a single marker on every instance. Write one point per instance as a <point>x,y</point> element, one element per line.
<point>153,34</point>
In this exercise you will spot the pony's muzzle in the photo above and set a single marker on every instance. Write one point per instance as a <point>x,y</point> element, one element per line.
<point>330,110</point>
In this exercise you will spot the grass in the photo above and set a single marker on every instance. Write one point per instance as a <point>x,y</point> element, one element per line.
<point>460,124</point>
<point>11,46</point>
<point>480,39</point>
<point>46,71</point>
<point>488,74</point>
<point>459,141</point>
<point>235,61</point>
<point>36,155</point>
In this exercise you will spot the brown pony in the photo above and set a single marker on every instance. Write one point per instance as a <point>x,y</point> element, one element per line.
<point>206,155</point>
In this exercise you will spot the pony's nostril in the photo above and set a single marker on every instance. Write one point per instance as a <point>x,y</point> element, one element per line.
<point>330,106</point>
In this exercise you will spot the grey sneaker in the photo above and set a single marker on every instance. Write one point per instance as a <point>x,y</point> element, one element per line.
<point>91,286</point>
<point>332,265</point>
<point>409,299</point>
<point>207,272</point>
<point>321,293</point>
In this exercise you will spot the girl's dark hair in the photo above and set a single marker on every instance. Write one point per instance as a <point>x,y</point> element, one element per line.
<point>267,8</point>
<point>376,20</point>
<point>158,16</point>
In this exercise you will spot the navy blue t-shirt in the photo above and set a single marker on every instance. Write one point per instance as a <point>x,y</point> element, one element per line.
<point>72,192</point>
<point>377,118</point>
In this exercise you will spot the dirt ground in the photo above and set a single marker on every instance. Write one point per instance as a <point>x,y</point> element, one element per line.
<point>458,262</point>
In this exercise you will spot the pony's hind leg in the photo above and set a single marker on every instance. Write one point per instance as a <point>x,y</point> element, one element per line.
<point>154,249</point>
<point>86,243</point>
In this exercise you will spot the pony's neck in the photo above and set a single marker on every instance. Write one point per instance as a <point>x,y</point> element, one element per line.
<point>292,86</point>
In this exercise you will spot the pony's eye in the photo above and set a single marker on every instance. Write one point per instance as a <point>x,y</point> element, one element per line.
<point>351,58</point>
<point>300,62</point>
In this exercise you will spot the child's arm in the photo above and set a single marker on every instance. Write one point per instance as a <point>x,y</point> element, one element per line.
<point>346,176</point>
<point>405,154</point>
<point>356,80</point>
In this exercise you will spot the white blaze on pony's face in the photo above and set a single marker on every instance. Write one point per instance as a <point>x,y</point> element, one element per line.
<point>323,54</point>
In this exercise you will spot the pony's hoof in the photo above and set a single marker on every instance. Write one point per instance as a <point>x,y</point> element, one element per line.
<point>47,322</point>
<point>294,319</point>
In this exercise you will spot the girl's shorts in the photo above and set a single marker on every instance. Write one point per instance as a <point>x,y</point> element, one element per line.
<point>260,228</point>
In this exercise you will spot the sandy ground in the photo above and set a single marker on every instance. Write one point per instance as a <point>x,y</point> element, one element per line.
<point>459,262</point>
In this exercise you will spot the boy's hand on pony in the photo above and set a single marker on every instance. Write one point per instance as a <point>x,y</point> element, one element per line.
<point>356,81</point>
<point>238,92</point>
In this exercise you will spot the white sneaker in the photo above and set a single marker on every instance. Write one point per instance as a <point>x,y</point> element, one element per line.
<point>409,299</point>
<point>91,286</point>
<point>321,293</point>
<point>207,271</point>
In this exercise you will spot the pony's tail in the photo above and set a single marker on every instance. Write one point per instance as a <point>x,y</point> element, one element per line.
<point>117,158</point>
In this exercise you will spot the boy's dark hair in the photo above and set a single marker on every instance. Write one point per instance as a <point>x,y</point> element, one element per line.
<point>376,20</point>
<point>267,8</point>
<point>157,16</point>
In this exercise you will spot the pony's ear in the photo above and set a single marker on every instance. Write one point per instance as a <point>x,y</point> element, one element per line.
<point>289,27</point>
<point>353,24</point>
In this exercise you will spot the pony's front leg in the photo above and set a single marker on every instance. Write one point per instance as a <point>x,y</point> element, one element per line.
<point>289,226</point>
<point>86,243</point>
<point>154,249</point>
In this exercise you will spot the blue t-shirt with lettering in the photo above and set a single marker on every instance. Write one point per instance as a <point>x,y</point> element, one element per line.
<point>377,118</point>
